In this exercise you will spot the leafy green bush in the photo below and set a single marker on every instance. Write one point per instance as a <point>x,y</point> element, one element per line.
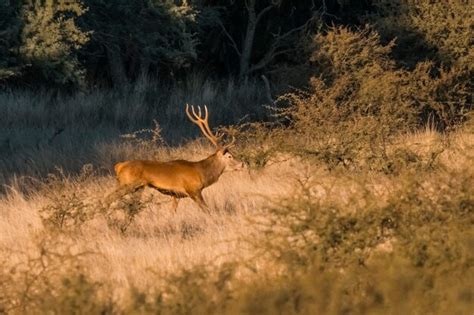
<point>50,40</point>
<point>9,35</point>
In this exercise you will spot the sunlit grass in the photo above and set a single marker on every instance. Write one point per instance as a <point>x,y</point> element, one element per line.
<point>160,242</point>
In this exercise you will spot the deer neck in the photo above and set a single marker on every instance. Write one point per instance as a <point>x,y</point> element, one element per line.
<point>212,169</point>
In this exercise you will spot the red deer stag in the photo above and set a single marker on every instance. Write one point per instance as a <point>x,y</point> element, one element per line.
<point>180,178</point>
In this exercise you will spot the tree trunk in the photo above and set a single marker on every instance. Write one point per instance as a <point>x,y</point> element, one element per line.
<point>248,40</point>
<point>116,66</point>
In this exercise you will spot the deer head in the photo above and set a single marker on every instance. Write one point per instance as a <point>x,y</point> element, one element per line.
<point>222,155</point>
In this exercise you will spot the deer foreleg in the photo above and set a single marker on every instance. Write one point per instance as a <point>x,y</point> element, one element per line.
<point>197,197</point>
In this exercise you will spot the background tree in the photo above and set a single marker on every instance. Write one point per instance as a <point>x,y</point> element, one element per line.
<point>50,39</point>
<point>111,43</point>
<point>250,35</point>
<point>10,27</point>
<point>133,38</point>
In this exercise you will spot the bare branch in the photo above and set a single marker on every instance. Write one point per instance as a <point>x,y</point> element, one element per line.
<point>292,31</point>
<point>250,6</point>
<point>274,50</point>
<point>263,12</point>
<point>277,3</point>
<point>232,41</point>
<point>267,59</point>
<point>323,11</point>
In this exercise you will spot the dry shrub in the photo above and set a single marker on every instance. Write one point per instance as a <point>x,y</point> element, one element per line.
<point>438,33</point>
<point>48,279</point>
<point>69,205</point>
<point>429,213</point>
<point>439,30</point>
<point>199,290</point>
<point>416,244</point>
<point>357,103</point>
<point>258,143</point>
<point>147,141</point>
<point>121,209</point>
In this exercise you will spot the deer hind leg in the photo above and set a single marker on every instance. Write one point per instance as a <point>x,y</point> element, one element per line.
<point>120,192</point>
<point>132,188</point>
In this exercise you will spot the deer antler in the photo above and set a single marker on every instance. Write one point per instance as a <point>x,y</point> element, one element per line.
<point>231,144</point>
<point>203,123</point>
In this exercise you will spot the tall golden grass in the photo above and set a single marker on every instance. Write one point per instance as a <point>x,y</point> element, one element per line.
<point>162,257</point>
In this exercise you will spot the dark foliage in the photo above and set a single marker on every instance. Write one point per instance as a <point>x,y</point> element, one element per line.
<point>80,43</point>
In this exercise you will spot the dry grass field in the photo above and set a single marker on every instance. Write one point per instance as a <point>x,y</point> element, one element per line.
<point>60,225</point>
<point>329,217</point>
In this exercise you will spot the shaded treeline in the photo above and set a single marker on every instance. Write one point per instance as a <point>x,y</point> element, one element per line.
<point>84,43</point>
<point>79,44</point>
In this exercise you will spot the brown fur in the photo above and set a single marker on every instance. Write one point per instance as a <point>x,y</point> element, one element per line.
<point>178,178</point>
<point>181,178</point>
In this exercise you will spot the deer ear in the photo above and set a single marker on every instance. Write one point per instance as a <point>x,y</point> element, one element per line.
<point>227,151</point>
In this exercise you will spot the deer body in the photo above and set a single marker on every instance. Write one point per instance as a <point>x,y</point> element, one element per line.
<point>180,178</point>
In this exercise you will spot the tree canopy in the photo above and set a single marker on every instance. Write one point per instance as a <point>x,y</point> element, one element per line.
<point>83,43</point>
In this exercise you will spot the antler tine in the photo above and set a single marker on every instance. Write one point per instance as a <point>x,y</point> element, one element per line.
<point>198,115</point>
<point>202,123</point>
<point>206,123</point>
<point>231,144</point>
<point>194,120</point>
<point>206,117</point>
<point>219,135</point>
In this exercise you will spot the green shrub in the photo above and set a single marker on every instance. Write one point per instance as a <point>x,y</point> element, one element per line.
<point>9,35</point>
<point>50,40</point>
